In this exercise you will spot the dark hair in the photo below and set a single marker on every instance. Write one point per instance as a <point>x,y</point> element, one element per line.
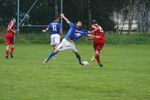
<point>79,21</point>
<point>56,17</point>
<point>12,18</point>
<point>94,21</point>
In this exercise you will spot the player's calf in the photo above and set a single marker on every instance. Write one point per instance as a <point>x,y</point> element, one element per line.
<point>50,55</point>
<point>11,55</point>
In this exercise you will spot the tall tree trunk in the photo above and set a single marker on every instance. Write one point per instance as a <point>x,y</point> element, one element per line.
<point>89,13</point>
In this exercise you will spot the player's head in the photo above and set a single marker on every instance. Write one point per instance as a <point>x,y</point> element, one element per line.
<point>94,21</point>
<point>56,19</point>
<point>13,20</point>
<point>79,24</point>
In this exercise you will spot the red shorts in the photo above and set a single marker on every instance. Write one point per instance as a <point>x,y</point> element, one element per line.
<point>98,46</point>
<point>10,38</point>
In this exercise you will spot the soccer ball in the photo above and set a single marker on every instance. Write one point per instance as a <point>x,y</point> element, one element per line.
<point>85,63</point>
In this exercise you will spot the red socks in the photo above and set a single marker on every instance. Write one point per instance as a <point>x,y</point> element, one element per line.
<point>12,49</point>
<point>97,57</point>
<point>7,52</point>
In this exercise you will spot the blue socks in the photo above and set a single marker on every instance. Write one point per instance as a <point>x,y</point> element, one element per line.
<point>50,55</point>
<point>79,58</point>
<point>53,53</point>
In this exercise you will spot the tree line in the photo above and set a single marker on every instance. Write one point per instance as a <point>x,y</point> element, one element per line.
<point>85,10</point>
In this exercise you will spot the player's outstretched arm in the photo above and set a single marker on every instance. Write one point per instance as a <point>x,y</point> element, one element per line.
<point>45,30</point>
<point>92,36</point>
<point>64,17</point>
<point>95,30</point>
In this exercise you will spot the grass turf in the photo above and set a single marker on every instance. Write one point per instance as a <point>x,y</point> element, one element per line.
<point>125,76</point>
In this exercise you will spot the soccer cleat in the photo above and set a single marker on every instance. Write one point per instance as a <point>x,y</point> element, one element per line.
<point>6,57</point>
<point>101,65</point>
<point>92,59</point>
<point>81,64</point>
<point>45,61</point>
<point>11,55</point>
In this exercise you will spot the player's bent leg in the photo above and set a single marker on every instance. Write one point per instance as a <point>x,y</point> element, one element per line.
<point>50,55</point>
<point>78,57</point>
<point>97,57</point>
<point>93,58</point>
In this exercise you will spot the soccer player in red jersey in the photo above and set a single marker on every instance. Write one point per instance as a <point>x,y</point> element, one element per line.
<point>98,43</point>
<point>10,38</point>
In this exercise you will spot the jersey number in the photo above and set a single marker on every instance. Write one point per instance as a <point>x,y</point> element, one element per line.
<point>77,34</point>
<point>54,28</point>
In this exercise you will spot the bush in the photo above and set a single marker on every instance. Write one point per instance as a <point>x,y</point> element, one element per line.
<point>40,37</point>
<point>128,39</point>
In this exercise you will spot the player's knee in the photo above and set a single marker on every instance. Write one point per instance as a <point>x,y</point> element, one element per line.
<point>96,55</point>
<point>56,51</point>
<point>76,53</point>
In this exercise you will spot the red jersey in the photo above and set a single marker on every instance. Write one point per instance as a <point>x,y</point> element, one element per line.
<point>11,25</point>
<point>100,33</point>
<point>9,34</point>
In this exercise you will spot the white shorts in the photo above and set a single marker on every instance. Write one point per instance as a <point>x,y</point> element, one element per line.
<point>65,45</point>
<point>55,39</point>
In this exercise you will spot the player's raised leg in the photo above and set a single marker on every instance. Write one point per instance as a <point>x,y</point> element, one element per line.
<point>93,58</point>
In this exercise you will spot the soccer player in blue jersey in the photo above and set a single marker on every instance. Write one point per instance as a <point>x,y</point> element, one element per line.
<point>74,33</point>
<point>56,33</point>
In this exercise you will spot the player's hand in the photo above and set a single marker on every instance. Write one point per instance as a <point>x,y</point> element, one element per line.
<point>43,30</point>
<point>62,15</point>
<point>14,31</point>
<point>17,30</point>
<point>90,32</point>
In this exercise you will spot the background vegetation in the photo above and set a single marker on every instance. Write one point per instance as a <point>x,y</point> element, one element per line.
<point>45,10</point>
<point>39,37</point>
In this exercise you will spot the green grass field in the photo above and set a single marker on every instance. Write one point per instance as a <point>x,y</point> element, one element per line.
<point>125,76</point>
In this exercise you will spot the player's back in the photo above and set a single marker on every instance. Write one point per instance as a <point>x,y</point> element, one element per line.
<point>55,27</point>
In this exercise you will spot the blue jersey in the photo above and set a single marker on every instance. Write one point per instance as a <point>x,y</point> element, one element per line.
<point>75,33</point>
<point>55,27</point>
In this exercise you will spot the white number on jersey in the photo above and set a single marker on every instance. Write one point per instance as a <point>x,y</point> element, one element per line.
<point>101,30</point>
<point>77,34</point>
<point>54,27</point>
